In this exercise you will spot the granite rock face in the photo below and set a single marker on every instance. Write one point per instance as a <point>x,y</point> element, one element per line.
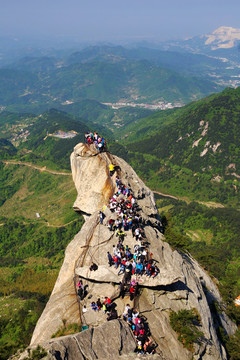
<point>91,178</point>
<point>181,283</point>
<point>94,343</point>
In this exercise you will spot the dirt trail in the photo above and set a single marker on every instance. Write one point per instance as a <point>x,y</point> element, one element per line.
<point>166,195</point>
<point>58,226</point>
<point>210,204</point>
<point>47,224</point>
<point>12,162</point>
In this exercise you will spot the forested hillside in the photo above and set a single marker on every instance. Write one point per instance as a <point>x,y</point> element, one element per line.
<point>36,217</point>
<point>29,138</point>
<point>193,150</point>
<point>31,248</point>
<point>211,235</point>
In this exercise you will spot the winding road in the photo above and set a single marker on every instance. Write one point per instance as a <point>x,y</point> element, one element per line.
<point>13,162</point>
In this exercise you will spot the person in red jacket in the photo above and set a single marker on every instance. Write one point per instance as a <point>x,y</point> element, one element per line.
<point>132,292</point>
<point>107,302</point>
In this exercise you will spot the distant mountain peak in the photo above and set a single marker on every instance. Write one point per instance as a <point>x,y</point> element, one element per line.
<point>223,38</point>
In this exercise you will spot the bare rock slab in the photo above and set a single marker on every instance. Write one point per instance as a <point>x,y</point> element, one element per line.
<point>108,341</point>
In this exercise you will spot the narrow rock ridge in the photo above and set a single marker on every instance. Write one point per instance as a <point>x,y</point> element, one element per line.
<point>181,283</point>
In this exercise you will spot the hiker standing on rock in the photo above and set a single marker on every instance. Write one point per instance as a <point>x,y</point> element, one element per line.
<point>110,259</point>
<point>101,217</point>
<point>111,169</point>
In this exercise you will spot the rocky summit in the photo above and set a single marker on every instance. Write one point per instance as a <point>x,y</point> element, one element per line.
<point>181,283</point>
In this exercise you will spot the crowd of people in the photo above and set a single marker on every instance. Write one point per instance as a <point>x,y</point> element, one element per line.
<point>94,138</point>
<point>138,261</point>
<point>132,263</point>
<point>136,322</point>
<point>140,330</point>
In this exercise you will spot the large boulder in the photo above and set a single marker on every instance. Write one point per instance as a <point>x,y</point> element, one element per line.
<point>91,178</point>
<point>181,283</point>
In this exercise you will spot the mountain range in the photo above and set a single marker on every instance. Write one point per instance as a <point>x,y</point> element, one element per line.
<point>175,72</point>
<point>138,81</point>
<point>223,37</point>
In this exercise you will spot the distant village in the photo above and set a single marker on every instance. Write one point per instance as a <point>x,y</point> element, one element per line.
<point>22,135</point>
<point>160,106</point>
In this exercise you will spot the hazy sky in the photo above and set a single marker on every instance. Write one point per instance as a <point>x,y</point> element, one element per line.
<point>109,20</point>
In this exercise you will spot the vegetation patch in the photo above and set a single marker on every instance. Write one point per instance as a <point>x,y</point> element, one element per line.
<point>32,191</point>
<point>19,314</point>
<point>200,235</point>
<point>186,323</point>
<point>233,346</point>
<point>36,354</point>
<point>67,329</point>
